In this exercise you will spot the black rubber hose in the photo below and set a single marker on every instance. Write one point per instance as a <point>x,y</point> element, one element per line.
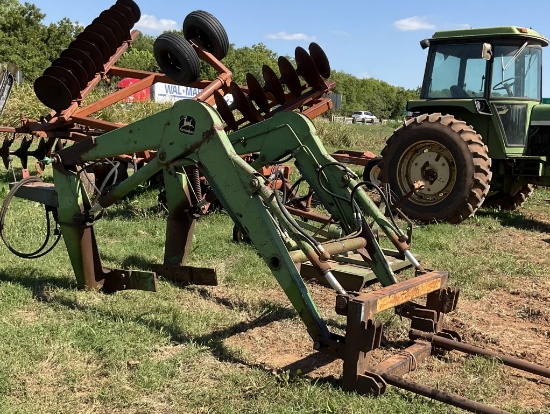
<point>40,251</point>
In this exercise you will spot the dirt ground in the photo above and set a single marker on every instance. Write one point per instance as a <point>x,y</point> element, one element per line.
<point>514,321</point>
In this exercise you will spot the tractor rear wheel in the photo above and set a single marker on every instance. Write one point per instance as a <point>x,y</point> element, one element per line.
<point>447,157</point>
<point>510,202</point>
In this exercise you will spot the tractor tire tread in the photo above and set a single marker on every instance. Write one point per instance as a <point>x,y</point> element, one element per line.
<point>481,165</point>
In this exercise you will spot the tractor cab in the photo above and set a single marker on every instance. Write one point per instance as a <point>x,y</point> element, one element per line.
<point>499,70</point>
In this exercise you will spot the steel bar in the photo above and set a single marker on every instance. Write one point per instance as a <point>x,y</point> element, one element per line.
<point>474,350</point>
<point>332,248</point>
<point>439,395</point>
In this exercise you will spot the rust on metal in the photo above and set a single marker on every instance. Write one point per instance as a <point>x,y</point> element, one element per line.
<point>332,248</point>
<point>187,275</point>
<point>474,350</point>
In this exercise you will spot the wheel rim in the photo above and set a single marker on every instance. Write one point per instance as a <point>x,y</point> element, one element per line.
<point>434,165</point>
<point>374,174</point>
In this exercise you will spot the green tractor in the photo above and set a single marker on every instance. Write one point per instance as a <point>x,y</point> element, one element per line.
<point>479,133</point>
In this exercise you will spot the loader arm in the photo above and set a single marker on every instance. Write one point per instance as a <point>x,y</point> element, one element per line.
<point>192,132</point>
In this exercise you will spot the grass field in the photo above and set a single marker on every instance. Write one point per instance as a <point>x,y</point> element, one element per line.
<point>240,347</point>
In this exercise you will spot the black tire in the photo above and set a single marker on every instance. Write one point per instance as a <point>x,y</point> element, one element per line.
<point>177,58</point>
<point>372,171</point>
<point>208,31</point>
<point>448,156</point>
<point>510,202</point>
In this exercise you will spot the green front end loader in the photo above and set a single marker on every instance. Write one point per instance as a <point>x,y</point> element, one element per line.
<point>479,134</point>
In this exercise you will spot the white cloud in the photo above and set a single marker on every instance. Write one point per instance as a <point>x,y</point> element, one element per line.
<point>290,36</point>
<point>152,24</point>
<point>414,23</point>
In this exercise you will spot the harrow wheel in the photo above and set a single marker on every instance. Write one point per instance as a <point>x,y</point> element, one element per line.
<point>208,30</point>
<point>448,157</point>
<point>52,92</point>
<point>177,58</point>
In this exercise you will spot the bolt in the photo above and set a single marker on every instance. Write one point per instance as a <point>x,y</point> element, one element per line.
<point>346,178</point>
<point>341,302</point>
<point>162,155</point>
<point>317,346</point>
<point>254,183</point>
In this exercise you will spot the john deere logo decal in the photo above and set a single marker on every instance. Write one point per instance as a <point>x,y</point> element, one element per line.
<point>187,125</point>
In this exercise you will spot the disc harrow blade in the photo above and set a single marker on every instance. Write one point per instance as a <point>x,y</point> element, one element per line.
<point>105,33</point>
<point>257,93</point>
<point>5,151</point>
<point>320,59</point>
<point>273,84</point>
<point>75,68</point>
<point>116,31</point>
<point>308,70</point>
<point>133,7</point>
<point>225,111</point>
<point>83,59</point>
<point>98,41</point>
<point>91,50</point>
<point>119,20</point>
<point>23,152</point>
<point>289,77</point>
<point>126,13</point>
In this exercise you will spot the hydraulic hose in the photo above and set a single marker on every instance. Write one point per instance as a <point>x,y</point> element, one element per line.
<point>41,251</point>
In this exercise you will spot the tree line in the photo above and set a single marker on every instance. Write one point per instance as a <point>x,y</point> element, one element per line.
<point>31,45</point>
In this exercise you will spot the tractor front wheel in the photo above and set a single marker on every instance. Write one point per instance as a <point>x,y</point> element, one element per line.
<point>446,160</point>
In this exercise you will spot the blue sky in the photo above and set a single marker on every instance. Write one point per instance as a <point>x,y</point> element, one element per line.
<point>364,38</point>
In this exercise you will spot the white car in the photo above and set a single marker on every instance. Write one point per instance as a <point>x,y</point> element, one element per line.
<point>365,117</point>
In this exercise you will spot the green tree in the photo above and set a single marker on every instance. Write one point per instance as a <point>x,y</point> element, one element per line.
<point>249,60</point>
<point>29,44</point>
<point>139,60</point>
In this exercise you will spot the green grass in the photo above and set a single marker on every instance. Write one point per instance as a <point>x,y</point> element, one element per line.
<point>75,351</point>
<point>70,351</point>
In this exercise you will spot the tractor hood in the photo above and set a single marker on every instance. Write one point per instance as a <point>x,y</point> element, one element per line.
<point>540,115</point>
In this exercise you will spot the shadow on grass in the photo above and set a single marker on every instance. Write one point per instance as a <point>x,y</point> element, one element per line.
<point>43,288</point>
<point>34,280</point>
<point>514,219</point>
